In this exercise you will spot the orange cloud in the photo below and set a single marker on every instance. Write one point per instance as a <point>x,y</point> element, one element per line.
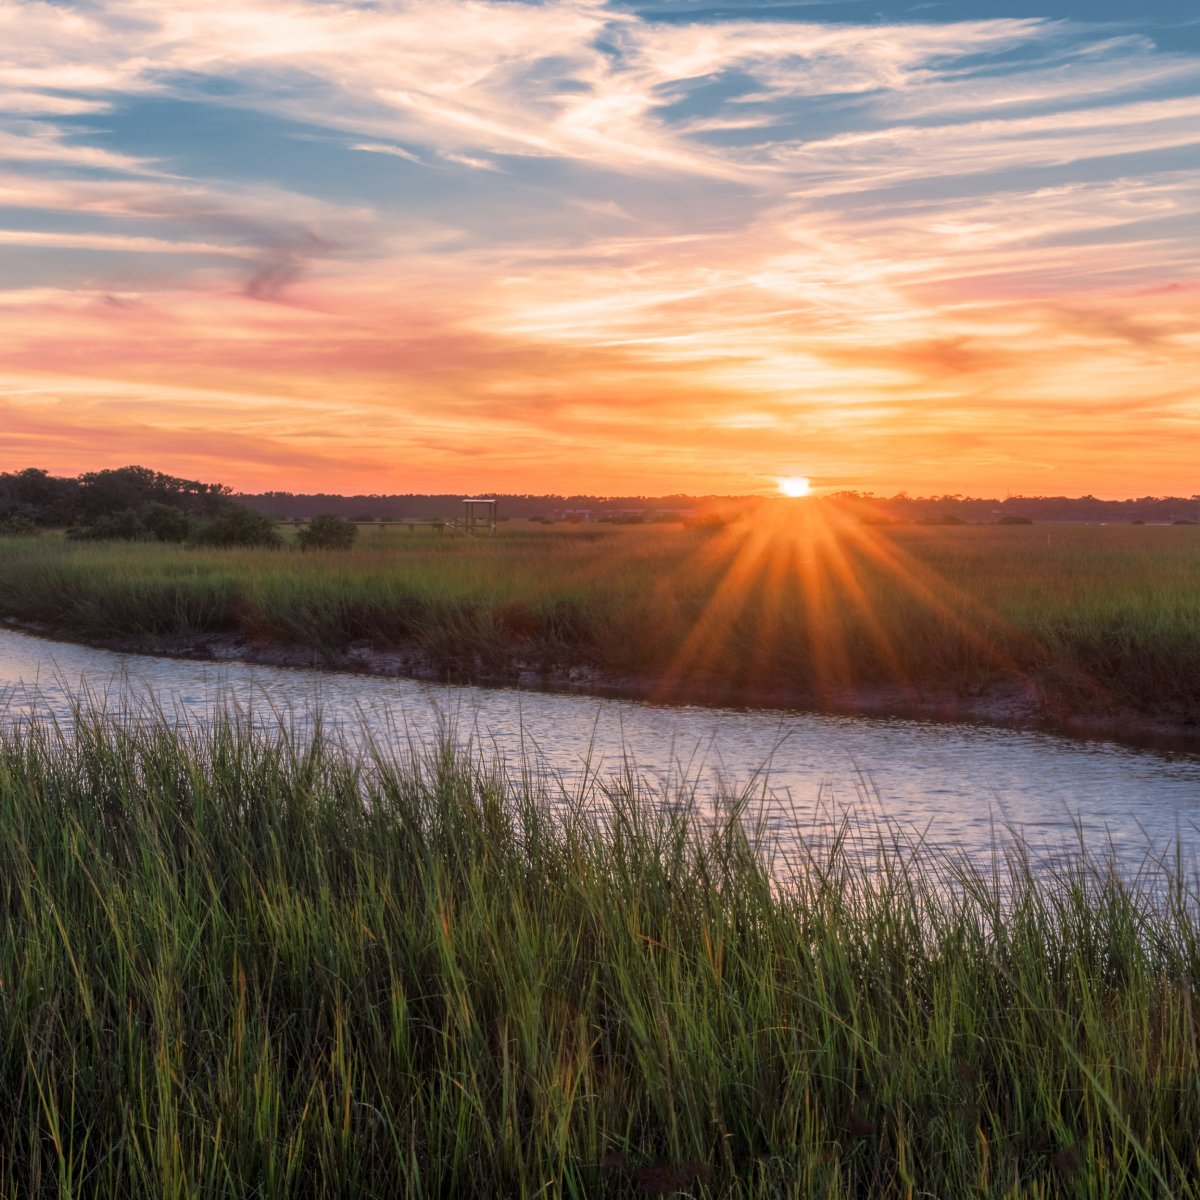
<point>532,247</point>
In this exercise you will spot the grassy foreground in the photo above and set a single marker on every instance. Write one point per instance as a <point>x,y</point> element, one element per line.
<point>803,602</point>
<point>238,964</point>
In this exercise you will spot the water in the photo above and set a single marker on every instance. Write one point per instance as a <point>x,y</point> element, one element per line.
<point>955,785</point>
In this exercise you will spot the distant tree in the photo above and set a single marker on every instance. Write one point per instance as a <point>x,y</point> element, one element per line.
<point>327,532</point>
<point>1015,521</point>
<point>38,496</point>
<point>238,526</point>
<point>102,493</point>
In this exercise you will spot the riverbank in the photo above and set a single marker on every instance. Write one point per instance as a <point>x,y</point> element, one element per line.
<point>1093,631</point>
<point>1011,704</point>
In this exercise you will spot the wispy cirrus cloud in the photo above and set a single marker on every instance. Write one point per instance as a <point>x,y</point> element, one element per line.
<point>498,236</point>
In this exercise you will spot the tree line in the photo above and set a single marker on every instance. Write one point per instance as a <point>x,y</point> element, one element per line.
<point>900,508</point>
<point>138,503</point>
<point>959,509</point>
<point>131,504</point>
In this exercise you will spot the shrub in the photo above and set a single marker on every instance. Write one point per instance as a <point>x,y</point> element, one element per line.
<point>124,526</point>
<point>327,532</point>
<point>17,527</point>
<point>151,522</point>
<point>165,523</point>
<point>239,526</point>
<point>1014,521</point>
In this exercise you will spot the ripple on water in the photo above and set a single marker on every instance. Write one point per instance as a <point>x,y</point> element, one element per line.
<point>957,786</point>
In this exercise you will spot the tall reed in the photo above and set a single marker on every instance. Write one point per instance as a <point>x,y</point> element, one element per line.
<point>247,962</point>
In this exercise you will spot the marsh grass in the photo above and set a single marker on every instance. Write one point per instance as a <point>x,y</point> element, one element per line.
<point>240,962</point>
<point>1095,616</point>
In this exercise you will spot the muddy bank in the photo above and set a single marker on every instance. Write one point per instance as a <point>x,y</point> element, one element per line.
<point>1013,702</point>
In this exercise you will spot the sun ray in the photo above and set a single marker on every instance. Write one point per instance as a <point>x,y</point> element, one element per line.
<point>710,632</point>
<point>851,586</point>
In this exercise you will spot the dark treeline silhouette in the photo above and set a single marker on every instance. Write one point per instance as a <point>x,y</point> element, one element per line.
<point>47,499</point>
<point>137,501</point>
<point>423,506</point>
<point>901,508</point>
<point>130,504</point>
<point>953,509</point>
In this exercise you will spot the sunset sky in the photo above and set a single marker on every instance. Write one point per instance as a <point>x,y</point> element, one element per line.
<point>429,245</point>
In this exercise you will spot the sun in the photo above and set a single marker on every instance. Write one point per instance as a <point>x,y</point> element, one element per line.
<point>794,485</point>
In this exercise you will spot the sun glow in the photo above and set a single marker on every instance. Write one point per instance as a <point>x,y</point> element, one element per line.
<point>794,485</point>
<point>813,586</point>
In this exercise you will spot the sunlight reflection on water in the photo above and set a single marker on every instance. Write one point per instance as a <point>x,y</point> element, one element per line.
<point>957,786</point>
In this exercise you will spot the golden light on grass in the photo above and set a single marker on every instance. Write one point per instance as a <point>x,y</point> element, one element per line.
<point>842,596</point>
<point>794,485</point>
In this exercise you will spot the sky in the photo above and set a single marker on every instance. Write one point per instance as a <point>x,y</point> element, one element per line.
<point>949,246</point>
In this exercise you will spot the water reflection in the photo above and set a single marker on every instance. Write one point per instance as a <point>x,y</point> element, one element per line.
<point>955,786</point>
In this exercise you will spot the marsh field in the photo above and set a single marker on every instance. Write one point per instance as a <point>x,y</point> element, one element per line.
<point>240,959</point>
<point>805,607</point>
